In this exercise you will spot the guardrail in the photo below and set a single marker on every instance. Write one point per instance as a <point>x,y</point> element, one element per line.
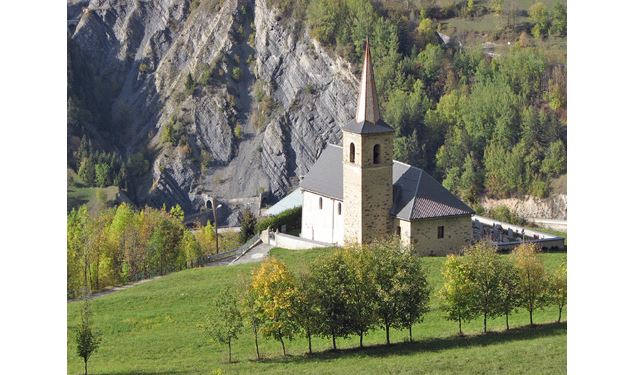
<point>235,253</point>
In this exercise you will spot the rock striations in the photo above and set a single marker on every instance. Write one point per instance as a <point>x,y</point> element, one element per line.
<point>262,102</point>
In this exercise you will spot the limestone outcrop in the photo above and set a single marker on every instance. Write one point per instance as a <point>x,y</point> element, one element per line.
<point>135,58</point>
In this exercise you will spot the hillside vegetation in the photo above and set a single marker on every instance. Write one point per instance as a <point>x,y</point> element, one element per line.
<point>485,113</point>
<point>154,328</point>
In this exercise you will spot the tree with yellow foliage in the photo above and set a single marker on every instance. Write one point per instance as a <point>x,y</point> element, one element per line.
<point>456,291</point>
<point>533,285</point>
<point>276,294</point>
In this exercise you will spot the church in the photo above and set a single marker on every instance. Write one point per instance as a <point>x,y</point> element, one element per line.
<point>358,193</point>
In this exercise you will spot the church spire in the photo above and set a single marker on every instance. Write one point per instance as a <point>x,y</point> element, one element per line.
<point>367,106</point>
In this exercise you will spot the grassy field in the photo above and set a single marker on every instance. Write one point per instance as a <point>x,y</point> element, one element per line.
<point>77,193</point>
<point>151,328</point>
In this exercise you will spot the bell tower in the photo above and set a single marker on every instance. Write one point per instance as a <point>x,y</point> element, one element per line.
<point>367,144</point>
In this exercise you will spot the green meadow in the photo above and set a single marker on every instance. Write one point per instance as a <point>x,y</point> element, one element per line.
<point>153,328</point>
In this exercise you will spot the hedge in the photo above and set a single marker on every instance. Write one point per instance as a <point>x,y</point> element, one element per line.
<point>286,217</point>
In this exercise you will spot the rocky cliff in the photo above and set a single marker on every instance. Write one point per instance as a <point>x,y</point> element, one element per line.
<point>261,101</point>
<point>554,207</point>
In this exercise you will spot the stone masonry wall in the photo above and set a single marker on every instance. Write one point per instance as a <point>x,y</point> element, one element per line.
<point>367,187</point>
<point>422,234</point>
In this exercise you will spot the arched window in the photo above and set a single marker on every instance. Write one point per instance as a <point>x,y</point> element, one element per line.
<point>339,208</point>
<point>398,231</point>
<point>351,154</point>
<point>376,151</point>
<point>320,203</point>
<point>209,205</point>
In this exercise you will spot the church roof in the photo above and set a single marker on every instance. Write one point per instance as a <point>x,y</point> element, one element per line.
<point>416,195</point>
<point>367,118</point>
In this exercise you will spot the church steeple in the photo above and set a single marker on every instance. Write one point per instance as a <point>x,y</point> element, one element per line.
<point>367,118</point>
<point>367,106</point>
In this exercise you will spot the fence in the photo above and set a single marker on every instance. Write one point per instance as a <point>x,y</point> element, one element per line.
<point>236,253</point>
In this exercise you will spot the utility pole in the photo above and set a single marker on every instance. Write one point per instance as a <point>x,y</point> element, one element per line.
<point>214,206</point>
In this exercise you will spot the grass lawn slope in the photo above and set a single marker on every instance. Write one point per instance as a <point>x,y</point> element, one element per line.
<point>152,328</point>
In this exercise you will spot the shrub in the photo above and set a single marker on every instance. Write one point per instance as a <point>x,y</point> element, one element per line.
<point>236,73</point>
<point>238,132</point>
<point>247,225</point>
<point>288,217</point>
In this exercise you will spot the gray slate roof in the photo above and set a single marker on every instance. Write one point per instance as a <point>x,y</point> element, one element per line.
<point>367,127</point>
<point>416,195</point>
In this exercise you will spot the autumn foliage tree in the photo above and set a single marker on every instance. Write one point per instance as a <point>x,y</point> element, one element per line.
<point>456,291</point>
<point>533,282</point>
<point>483,273</point>
<point>558,288</point>
<point>275,298</point>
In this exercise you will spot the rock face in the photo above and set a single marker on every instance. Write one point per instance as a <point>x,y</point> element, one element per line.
<point>137,56</point>
<point>554,207</point>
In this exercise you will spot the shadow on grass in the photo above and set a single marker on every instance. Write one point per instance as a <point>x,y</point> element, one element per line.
<point>433,344</point>
<point>142,372</point>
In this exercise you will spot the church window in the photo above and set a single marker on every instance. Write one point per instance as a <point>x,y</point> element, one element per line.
<point>351,156</point>
<point>376,151</point>
<point>320,203</point>
<point>440,231</point>
<point>398,231</point>
<point>339,208</point>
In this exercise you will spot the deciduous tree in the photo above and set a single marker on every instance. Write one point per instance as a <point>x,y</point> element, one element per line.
<point>558,288</point>
<point>224,321</point>
<point>533,284</point>
<point>456,291</point>
<point>276,295</point>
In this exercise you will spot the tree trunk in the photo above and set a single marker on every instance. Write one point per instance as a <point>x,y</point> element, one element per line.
<point>256,336</point>
<point>507,320</point>
<point>85,366</point>
<point>387,332</point>
<point>309,336</point>
<point>361,338</point>
<point>410,331</point>
<point>559,313</point>
<point>284,350</point>
<point>334,346</point>
<point>531,317</point>
<point>460,331</point>
<point>485,323</point>
<point>230,351</point>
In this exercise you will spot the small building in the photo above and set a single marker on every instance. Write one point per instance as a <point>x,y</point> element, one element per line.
<point>358,193</point>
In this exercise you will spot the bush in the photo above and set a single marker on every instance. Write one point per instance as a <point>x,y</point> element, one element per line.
<point>247,225</point>
<point>290,217</point>
<point>503,213</point>
<point>238,131</point>
<point>236,74</point>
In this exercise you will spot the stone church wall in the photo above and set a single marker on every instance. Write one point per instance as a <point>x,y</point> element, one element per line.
<point>422,234</point>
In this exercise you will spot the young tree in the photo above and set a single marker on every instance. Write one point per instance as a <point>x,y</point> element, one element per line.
<point>559,20</point>
<point>333,277</point>
<point>509,280</point>
<point>276,295</point>
<point>359,260</point>
<point>456,291</point>
<point>397,280</point>
<point>225,321</point>
<point>250,313</point>
<point>414,293</point>
<point>483,270</point>
<point>87,338</point>
<point>307,314</point>
<point>539,15</point>
<point>558,288</point>
<point>533,284</point>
